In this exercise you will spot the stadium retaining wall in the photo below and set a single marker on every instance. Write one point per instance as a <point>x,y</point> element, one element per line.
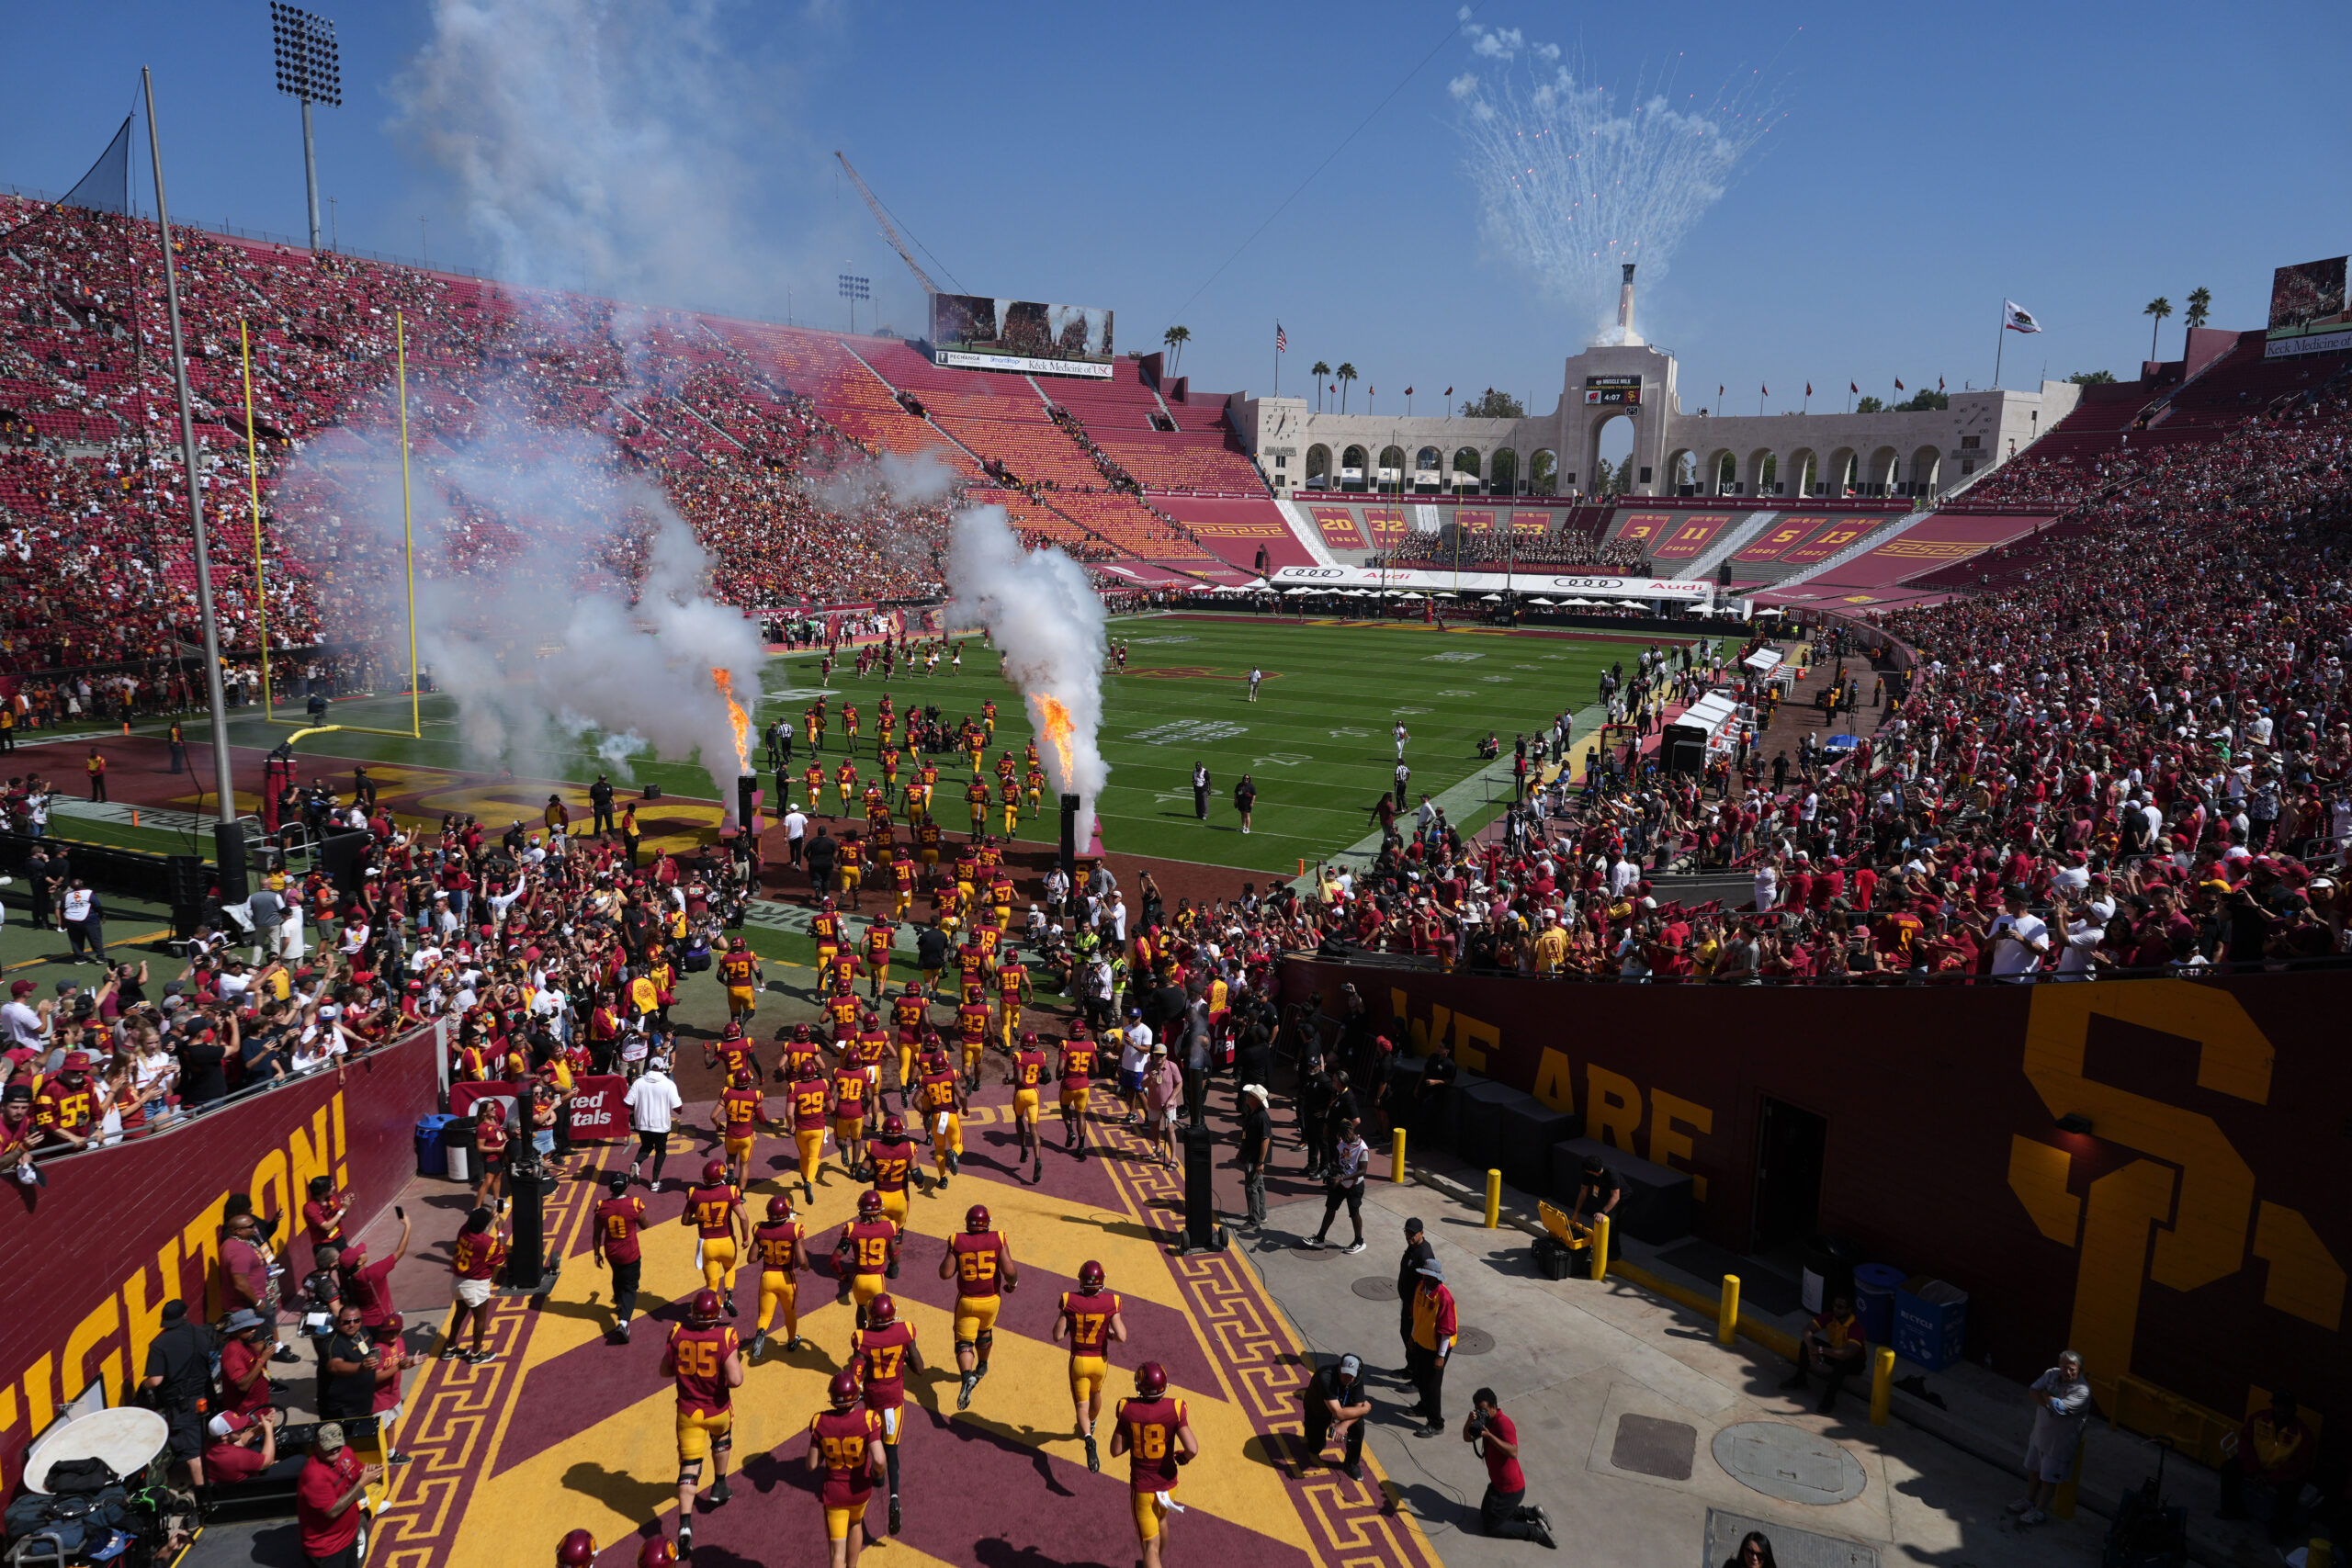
<point>91,1257</point>
<point>2195,1236</point>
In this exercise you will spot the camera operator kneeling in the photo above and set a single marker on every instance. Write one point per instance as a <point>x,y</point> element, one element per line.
<point>1495,1437</point>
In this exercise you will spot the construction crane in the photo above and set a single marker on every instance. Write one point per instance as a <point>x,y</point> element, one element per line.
<point>890,231</point>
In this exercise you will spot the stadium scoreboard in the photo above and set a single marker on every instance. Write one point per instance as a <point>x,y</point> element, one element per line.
<point>2307,309</point>
<point>975,332</point>
<point>1612,390</point>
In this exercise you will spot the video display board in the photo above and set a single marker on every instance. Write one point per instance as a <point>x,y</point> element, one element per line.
<point>976,331</point>
<point>1613,389</point>
<point>2307,309</point>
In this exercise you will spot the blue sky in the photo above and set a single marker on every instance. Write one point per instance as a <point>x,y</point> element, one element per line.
<point>1928,161</point>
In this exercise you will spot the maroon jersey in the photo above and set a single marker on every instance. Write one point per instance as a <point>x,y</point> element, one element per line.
<point>1150,1426</point>
<point>617,1221</point>
<point>772,1242</point>
<point>697,1358</point>
<point>845,1439</point>
<point>979,1263</point>
<point>869,1245</point>
<point>882,1353</point>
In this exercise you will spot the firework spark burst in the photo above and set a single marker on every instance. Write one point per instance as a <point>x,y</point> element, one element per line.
<point>1574,183</point>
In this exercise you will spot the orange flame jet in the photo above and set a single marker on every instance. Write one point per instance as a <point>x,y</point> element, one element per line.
<point>736,716</point>
<point>1058,730</point>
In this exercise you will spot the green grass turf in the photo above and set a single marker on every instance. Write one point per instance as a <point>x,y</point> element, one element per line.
<point>1317,741</point>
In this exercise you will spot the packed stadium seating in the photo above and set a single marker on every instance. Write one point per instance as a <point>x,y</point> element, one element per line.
<point>743,427</point>
<point>735,421</point>
<point>2106,438</point>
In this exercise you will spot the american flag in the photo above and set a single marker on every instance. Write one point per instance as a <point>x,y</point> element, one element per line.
<point>1281,339</point>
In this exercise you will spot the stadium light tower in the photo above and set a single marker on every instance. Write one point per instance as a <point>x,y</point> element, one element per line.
<point>309,68</point>
<point>854,288</point>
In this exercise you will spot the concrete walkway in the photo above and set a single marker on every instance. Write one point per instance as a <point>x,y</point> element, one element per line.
<point>1607,1381</point>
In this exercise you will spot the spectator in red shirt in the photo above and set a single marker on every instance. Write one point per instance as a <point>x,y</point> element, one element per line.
<point>323,1215</point>
<point>473,1266</point>
<point>244,1265</point>
<point>245,1364</point>
<point>326,1500</point>
<point>18,1134</point>
<point>65,1112</point>
<point>239,1447</point>
<point>367,1284</point>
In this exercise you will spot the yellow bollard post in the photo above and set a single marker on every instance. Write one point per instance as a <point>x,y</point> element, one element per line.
<point>1494,1199</point>
<point>1727,1311</point>
<point>2062,1501</point>
<point>1397,1156</point>
<point>1881,1383</point>
<point>1600,1247</point>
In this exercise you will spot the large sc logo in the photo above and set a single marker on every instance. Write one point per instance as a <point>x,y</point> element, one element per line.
<point>2195,1189</point>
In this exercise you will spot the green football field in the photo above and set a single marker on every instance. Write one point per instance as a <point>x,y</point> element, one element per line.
<point>1317,742</point>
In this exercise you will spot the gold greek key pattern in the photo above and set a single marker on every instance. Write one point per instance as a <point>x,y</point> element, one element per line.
<point>1352,1523</point>
<point>453,1418</point>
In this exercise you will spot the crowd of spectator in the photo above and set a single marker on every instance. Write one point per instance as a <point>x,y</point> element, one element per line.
<point>93,507</point>
<point>2156,777</point>
<point>551,950</point>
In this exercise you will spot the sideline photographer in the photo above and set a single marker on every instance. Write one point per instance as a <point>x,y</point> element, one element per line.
<point>1495,1438</point>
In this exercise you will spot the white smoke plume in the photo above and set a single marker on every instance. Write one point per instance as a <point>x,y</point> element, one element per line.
<point>1048,621</point>
<point>604,147</point>
<point>906,481</point>
<point>538,644</point>
<point>1573,185</point>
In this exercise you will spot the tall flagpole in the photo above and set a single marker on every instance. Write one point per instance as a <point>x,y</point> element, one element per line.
<point>1277,359</point>
<point>229,842</point>
<point>2000,343</point>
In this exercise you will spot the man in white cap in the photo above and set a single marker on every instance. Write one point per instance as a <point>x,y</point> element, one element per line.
<point>1336,1405</point>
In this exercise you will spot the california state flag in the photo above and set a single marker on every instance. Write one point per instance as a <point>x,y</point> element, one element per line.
<point>2017,318</point>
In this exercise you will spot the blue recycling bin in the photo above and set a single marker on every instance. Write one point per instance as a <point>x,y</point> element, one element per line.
<point>433,1144</point>
<point>1874,1288</point>
<point>1931,1324</point>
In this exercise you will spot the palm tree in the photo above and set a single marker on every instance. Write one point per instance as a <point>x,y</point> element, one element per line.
<point>1318,370</point>
<point>2200,307</point>
<point>1176,338</point>
<point>2159,308</point>
<point>1344,374</point>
